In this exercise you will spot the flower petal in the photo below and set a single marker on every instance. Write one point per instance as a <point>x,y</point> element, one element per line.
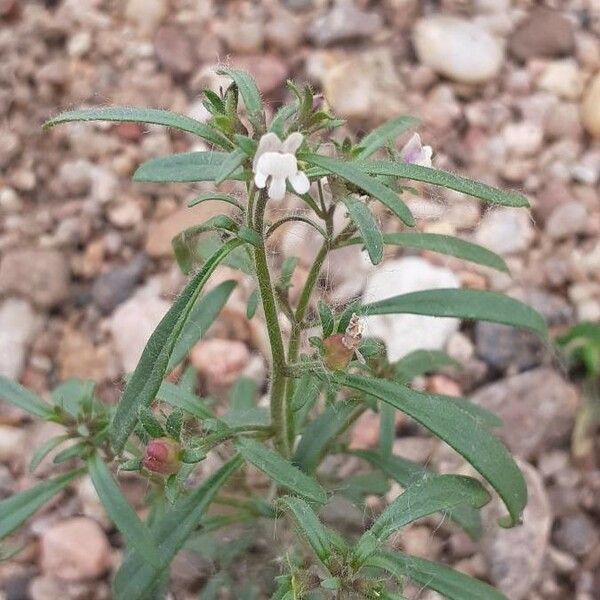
<point>277,188</point>
<point>292,142</point>
<point>269,142</point>
<point>411,151</point>
<point>260,180</point>
<point>300,182</point>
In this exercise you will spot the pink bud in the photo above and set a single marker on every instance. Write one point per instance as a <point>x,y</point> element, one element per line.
<point>162,456</point>
<point>337,355</point>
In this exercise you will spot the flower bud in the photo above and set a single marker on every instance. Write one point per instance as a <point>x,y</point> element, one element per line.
<point>337,355</point>
<point>162,456</point>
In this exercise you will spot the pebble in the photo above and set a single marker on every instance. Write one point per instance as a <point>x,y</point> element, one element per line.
<point>364,85</point>
<point>576,534</point>
<point>125,214</point>
<point>285,31</point>
<point>404,333</point>
<point>563,78</point>
<point>12,440</point>
<point>18,327</point>
<point>524,138</point>
<point>537,409</point>
<point>134,321</point>
<point>590,108</point>
<point>365,432</point>
<point>269,71</point>
<point>114,287</point>
<point>567,219</point>
<point>79,44</point>
<point>174,50</point>
<point>220,362</point>
<point>345,22</point>
<point>458,49</point>
<point>505,230</point>
<point>10,147</point>
<point>544,33</point>
<point>63,555</point>
<point>516,556</point>
<point>79,358</point>
<point>146,14</point>
<point>42,276</point>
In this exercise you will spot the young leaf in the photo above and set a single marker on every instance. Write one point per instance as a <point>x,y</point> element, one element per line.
<point>252,304</point>
<point>184,167</point>
<point>149,423</point>
<point>16,394</point>
<point>446,581</point>
<point>121,512</point>
<point>459,429</point>
<point>443,244</point>
<point>419,363</point>
<point>327,319</point>
<point>370,185</point>
<point>439,493</point>
<point>407,473</point>
<point>75,451</point>
<point>142,115</point>
<point>215,196</point>
<point>45,449</point>
<point>322,431</point>
<point>204,313</point>
<point>184,399</point>
<point>250,94</point>
<point>148,375</point>
<point>174,424</point>
<point>306,392</point>
<point>17,508</point>
<point>472,305</point>
<point>383,134</point>
<point>364,220</point>
<point>280,470</point>
<point>477,189</point>
<point>136,577</point>
<point>308,525</point>
<point>232,162</point>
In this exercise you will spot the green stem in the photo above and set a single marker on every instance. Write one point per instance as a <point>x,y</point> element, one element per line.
<point>279,408</point>
<point>294,345</point>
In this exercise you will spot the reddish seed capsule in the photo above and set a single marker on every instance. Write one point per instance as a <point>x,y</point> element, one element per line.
<point>337,355</point>
<point>162,456</point>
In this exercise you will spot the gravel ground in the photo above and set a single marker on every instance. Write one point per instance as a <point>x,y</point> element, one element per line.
<point>508,92</point>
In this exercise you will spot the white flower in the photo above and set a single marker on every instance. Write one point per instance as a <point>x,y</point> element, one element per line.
<point>277,160</point>
<point>414,153</point>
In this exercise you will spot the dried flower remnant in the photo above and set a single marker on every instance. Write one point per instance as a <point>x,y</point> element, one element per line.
<point>162,456</point>
<point>276,160</point>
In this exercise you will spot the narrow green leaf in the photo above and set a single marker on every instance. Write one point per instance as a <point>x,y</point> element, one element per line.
<point>231,164</point>
<point>459,429</point>
<point>148,375</point>
<point>368,228</point>
<point>327,319</point>
<point>17,395</point>
<point>78,450</point>
<point>446,581</point>
<point>142,115</point>
<point>243,394</point>
<point>252,304</point>
<point>306,392</point>
<point>17,508</point>
<point>321,432</point>
<point>365,182</point>
<point>202,316</point>
<point>466,304</point>
<point>174,424</point>
<point>407,473</point>
<point>45,449</point>
<point>281,116</point>
<point>387,428</point>
<point>383,134</point>
<point>136,578</point>
<point>443,244</point>
<point>215,196</point>
<point>280,470</point>
<point>249,91</point>
<point>184,167</point>
<point>121,512</point>
<point>477,189</point>
<point>308,525</point>
<point>184,399</point>
<point>419,363</point>
<point>439,493</point>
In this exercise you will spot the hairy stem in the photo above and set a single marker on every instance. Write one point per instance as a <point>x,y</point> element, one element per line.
<point>279,418</point>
